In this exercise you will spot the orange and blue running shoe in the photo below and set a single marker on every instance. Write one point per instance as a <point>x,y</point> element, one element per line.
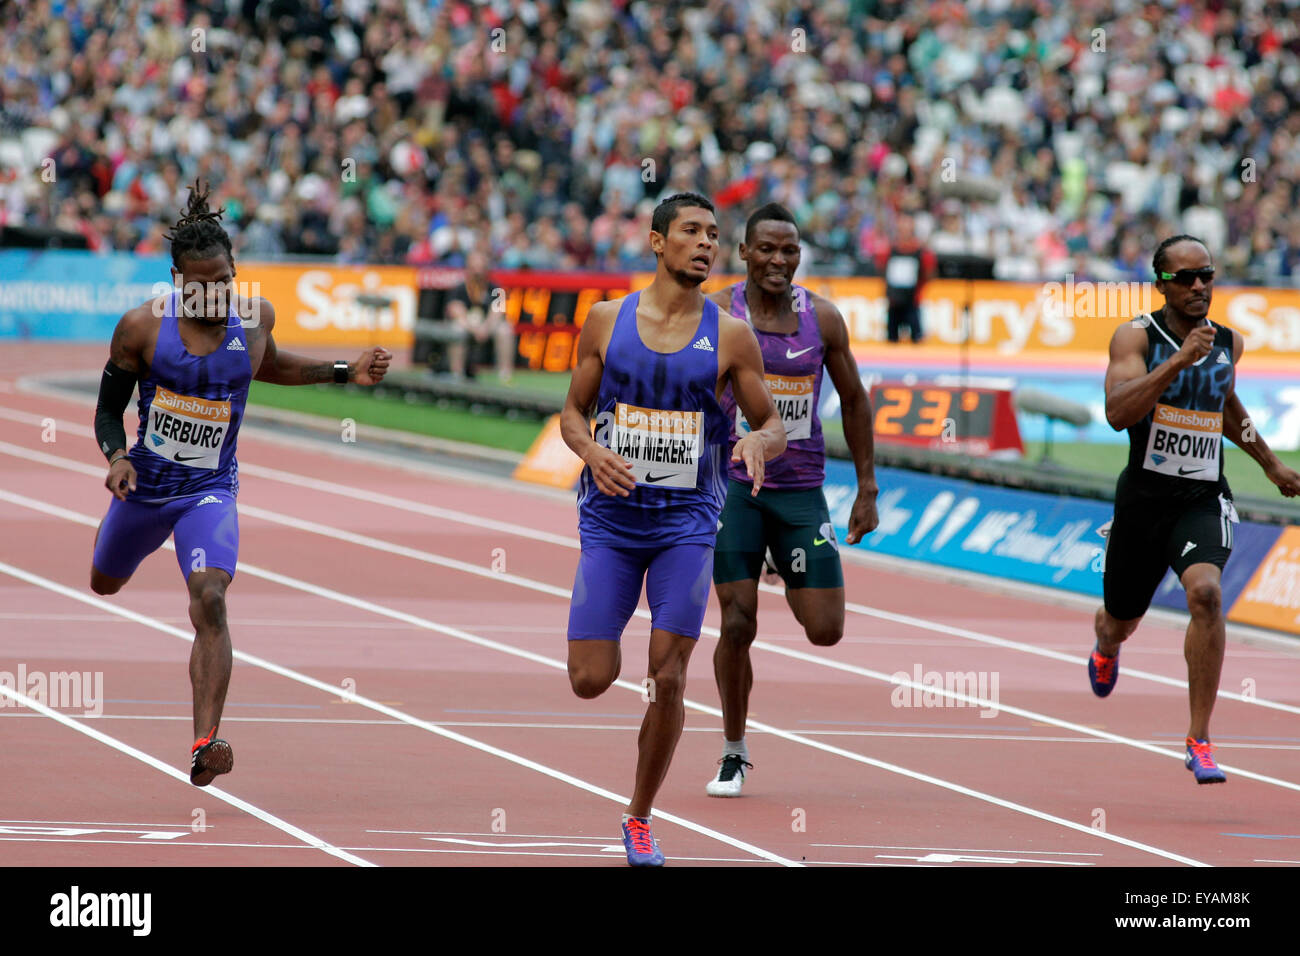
<point>1103,671</point>
<point>208,757</point>
<point>640,843</point>
<point>1200,761</point>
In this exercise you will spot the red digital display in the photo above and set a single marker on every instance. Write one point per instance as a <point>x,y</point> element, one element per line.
<point>945,418</point>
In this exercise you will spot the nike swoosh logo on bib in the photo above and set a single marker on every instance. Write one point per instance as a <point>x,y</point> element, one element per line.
<point>1189,471</point>
<point>792,355</point>
<point>650,477</point>
<point>180,457</point>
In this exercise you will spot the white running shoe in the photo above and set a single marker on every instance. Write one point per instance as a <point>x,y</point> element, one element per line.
<point>730,778</point>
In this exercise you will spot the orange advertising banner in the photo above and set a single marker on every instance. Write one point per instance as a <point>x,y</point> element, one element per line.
<point>1272,598</point>
<point>1014,318</point>
<point>316,305</point>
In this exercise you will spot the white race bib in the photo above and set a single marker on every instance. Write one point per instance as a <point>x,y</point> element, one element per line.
<point>188,431</point>
<point>794,403</point>
<point>662,445</point>
<point>1184,443</point>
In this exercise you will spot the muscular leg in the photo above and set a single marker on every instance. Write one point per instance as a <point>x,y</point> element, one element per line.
<point>664,716</point>
<point>731,667</point>
<point>1204,644</point>
<point>210,658</point>
<point>820,611</point>
<point>593,666</point>
<point>1112,632</point>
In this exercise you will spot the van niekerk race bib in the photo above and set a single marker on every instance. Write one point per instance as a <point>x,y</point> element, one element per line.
<point>1184,443</point>
<point>662,446</point>
<point>186,430</point>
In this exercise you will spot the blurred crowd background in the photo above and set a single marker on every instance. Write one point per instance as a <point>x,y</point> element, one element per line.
<point>1054,137</point>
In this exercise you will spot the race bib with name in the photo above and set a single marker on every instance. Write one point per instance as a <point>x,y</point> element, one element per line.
<point>794,403</point>
<point>189,431</point>
<point>662,446</point>
<point>1184,443</point>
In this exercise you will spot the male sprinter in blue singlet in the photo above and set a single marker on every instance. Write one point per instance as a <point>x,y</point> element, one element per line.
<point>799,333</point>
<point>653,366</point>
<point>194,352</point>
<point>1172,383</point>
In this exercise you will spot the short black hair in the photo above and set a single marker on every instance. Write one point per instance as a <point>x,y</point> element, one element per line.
<point>773,210</point>
<point>198,233</point>
<point>666,211</point>
<point>1162,251</point>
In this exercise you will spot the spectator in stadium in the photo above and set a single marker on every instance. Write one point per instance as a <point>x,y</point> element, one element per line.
<point>477,310</point>
<point>907,265</point>
<point>1148,139</point>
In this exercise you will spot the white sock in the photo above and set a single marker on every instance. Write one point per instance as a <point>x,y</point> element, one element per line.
<point>628,816</point>
<point>735,747</point>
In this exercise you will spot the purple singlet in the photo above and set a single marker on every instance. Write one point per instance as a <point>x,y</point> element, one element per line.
<point>792,365</point>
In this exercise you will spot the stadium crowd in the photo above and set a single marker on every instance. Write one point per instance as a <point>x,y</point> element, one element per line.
<point>1054,137</point>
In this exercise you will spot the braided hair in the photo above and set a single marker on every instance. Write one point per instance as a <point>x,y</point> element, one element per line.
<point>198,233</point>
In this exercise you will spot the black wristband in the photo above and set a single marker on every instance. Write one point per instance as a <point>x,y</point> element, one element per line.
<point>340,373</point>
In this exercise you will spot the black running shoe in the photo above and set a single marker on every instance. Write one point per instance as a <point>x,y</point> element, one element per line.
<point>208,757</point>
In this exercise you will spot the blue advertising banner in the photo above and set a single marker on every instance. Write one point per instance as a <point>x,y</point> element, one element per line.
<point>1028,536</point>
<point>1251,543</point>
<point>73,296</point>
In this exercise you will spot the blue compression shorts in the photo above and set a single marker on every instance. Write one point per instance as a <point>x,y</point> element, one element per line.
<point>607,587</point>
<point>206,528</point>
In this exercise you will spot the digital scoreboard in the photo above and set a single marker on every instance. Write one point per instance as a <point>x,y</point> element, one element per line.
<point>969,420</point>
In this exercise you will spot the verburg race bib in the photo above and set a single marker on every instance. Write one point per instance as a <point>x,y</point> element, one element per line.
<point>187,430</point>
<point>794,398</point>
<point>662,446</point>
<point>1184,443</point>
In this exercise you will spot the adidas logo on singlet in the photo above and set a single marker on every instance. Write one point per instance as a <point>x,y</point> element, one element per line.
<point>209,500</point>
<point>1222,359</point>
<point>236,346</point>
<point>703,344</point>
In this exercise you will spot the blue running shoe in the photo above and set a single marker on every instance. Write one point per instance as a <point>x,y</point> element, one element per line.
<point>640,843</point>
<point>1103,672</point>
<point>1200,761</point>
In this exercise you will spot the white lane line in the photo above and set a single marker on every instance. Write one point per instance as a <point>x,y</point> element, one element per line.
<point>216,792</point>
<point>374,705</point>
<point>385,611</point>
<point>968,700</point>
<point>634,726</point>
<point>517,530</point>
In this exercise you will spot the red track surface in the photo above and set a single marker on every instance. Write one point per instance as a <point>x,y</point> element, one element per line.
<point>381,785</point>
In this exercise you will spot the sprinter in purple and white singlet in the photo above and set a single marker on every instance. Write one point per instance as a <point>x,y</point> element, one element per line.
<point>651,369</point>
<point>194,351</point>
<point>800,334</point>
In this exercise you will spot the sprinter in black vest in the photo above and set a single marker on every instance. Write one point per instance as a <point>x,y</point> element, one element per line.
<point>1171,383</point>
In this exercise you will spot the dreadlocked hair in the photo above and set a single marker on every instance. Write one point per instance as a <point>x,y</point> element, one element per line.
<point>198,233</point>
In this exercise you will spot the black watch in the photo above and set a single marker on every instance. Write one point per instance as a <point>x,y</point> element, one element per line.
<point>340,373</point>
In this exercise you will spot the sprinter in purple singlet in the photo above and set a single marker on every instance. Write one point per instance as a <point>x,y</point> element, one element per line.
<point>652,367</point>
<point>799,333</point>
<point>194,351</point>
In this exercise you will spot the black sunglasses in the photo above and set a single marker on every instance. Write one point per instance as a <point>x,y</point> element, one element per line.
<point>1189,276</point>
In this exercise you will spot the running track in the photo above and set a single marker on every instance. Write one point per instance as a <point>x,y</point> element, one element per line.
<point>399,696</point>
